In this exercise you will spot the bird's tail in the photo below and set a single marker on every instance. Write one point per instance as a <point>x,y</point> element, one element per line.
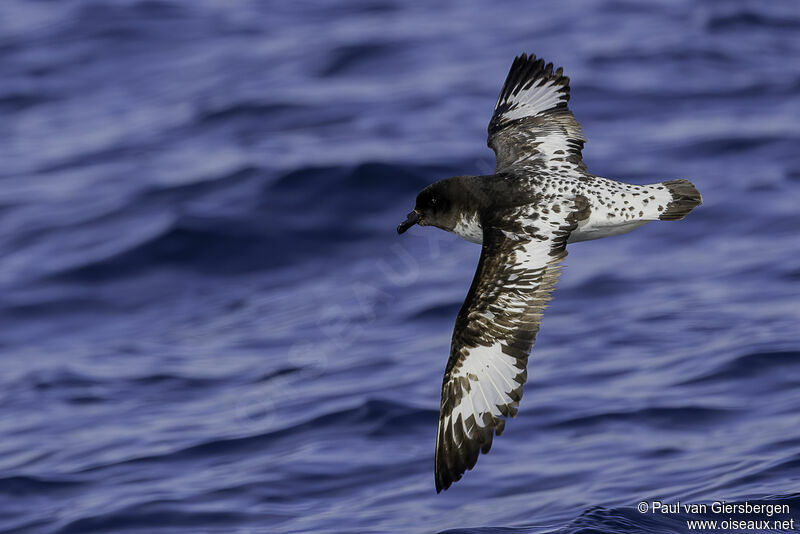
<point>685,197</point>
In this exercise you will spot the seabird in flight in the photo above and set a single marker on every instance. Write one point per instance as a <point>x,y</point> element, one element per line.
<point>539,198</point>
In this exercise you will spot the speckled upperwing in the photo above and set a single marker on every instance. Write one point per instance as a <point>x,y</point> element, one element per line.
<point>496,328</point>
<point>531,122</point>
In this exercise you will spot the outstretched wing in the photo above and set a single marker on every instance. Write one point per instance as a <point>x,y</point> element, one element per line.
<point>531,122</point>
<point>496,328</point>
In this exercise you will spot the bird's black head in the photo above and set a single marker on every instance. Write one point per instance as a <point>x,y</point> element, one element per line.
<point>436,206</point>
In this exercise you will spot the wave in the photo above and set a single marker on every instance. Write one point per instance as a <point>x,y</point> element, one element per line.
<point>152,516</point>
<point>13,102</point>
<point>367,180</point>
<point>659,417</point>
<point>350,59</point>
<point>33,485</point>
<point>82,388</point>
<point>372,417</point>
<point>751,18</point>
<point>751,366</point>
<point>446,310</point>
<point>260,222</point>
<point>629,520</point>
<point>247,110</point>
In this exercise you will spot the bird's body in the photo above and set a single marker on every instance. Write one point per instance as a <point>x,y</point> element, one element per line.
<point>540,198</point>
<point>613,207</point>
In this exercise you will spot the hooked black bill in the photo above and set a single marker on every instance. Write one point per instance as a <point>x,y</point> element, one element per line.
<point>412,219</point>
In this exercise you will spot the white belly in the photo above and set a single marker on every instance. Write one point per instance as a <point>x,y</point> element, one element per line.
<point>470,229</point>
<point>590,231</point>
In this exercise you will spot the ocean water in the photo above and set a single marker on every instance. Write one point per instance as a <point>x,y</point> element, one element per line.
<point>209,325</point>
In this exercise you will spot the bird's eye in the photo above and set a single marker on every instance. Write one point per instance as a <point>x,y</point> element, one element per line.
<point>434,201</point>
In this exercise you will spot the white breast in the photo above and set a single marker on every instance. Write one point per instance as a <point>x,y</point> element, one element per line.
<point>469,228</point>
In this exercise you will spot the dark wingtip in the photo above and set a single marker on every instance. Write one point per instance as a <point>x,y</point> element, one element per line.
<point>442,485</point>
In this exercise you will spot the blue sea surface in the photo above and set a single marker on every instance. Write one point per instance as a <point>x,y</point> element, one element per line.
<point>209,325</point>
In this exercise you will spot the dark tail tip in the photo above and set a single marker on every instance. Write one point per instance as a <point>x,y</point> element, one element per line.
<point>685,197</point>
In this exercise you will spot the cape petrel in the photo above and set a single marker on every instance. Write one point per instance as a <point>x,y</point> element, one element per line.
<point>540,198</point>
